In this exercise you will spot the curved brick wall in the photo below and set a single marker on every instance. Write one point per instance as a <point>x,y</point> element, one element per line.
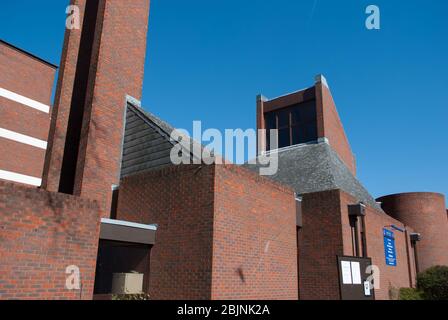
<point>426,214</point>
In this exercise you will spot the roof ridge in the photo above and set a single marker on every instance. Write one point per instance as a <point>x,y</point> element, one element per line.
<point>149,118</point>
<point>29,54</point>
<point>348,173</point>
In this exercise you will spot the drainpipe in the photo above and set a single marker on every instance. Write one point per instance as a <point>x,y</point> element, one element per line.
<point>416,237</point>
<point>407,239</point>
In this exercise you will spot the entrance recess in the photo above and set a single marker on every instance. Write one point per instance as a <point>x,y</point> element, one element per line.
<point>123,257</point>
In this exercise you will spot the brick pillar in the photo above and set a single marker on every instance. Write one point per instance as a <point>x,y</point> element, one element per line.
<point>329,124</point>
<point>261,139</point>
<point>101,64</point>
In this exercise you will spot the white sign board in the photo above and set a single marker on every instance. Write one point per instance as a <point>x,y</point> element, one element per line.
<point>356,273</point>
<point>346,272</point>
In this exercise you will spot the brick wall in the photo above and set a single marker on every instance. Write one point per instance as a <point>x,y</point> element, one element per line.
<point>25,75</point>
<point>180,201</point>
<point>115,70</point>
<point>254,237</point>
<point>32,78</point>
<point>21,158</point>
<point>320,242</point>
<point>426,214</point>
<point>331,127</point>
<point>326,233</point>
<point>391,277</point>
<point>214,227</point>
<point>41,234</point>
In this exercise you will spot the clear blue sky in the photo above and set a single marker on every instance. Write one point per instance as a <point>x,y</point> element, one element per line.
<point>207,60</point>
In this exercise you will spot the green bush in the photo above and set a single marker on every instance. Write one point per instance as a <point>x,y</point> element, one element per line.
<point>410,294</point>
<point>434,283</point>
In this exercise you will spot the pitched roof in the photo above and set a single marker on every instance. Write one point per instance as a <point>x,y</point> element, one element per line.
<point>146,142</point>
<point>317,167</point>
<point>3,42</point>
<point>306,168</point>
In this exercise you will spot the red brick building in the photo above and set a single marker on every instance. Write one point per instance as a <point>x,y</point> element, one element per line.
<point>111,202</point>
<point>315,159</point>
<point>26,84</point>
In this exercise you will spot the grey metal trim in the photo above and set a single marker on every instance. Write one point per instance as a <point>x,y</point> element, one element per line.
<point>129,224</point>
<point>128,99</point>
<point>124,231</point>
<point>321,79</point>
<point>290,93</point>
<point>357,210</point>
<point>323,140</point>
<point>299,213</point>
<point>279,150</point>
<point>133,101</point>
<point>262,98</point>
<point>415,237</point>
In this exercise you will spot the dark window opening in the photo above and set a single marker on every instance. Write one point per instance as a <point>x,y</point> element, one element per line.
<point>284,138</point>
<point>283,120</point>
<point>270,124</point>
<point>363,237</point>
<point>117,258</point>
<point>114,206</point>
<point>358,232</point>
<point>414,247</point>
<point>299,235</point>
<point>355,235</point>
<point>77,108</point>
<point>296,124</point>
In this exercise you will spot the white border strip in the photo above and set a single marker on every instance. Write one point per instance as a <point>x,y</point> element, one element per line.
<point>129,224</point>
<point>20,178</point>
<point>24,100</point>
<point>14,136</point>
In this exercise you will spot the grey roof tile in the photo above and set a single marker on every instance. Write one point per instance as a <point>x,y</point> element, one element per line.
<point>317,167</point>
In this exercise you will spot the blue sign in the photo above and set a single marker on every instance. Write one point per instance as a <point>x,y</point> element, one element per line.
<point>389,248</point>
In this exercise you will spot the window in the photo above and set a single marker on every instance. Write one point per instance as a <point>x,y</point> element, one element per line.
<point>355,235</point>
<point>296,124</point>
<point>363,237</point>
<point>358,231</point>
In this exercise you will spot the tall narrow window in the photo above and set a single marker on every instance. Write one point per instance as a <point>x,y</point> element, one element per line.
<point>415,238</point>
<point>114,206</point>
<point>355,235</point>
<point>363,237</point>
<point>73,138</point>
<point>303,123</point>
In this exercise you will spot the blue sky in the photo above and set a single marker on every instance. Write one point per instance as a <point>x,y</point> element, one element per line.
<point>207,60</point>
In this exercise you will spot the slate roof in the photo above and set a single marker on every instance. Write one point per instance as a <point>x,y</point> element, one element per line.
<point>146,142</point>
<point>306,168</point>
<point>317,167</point>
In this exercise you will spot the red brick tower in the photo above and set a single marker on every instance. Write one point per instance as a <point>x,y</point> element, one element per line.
<point>102,63</point>
<point>309,115</point>
<point>425,212</point>
<point>330,125</point>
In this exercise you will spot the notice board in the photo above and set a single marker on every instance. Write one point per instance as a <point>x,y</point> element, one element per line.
<point>354,281</point>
